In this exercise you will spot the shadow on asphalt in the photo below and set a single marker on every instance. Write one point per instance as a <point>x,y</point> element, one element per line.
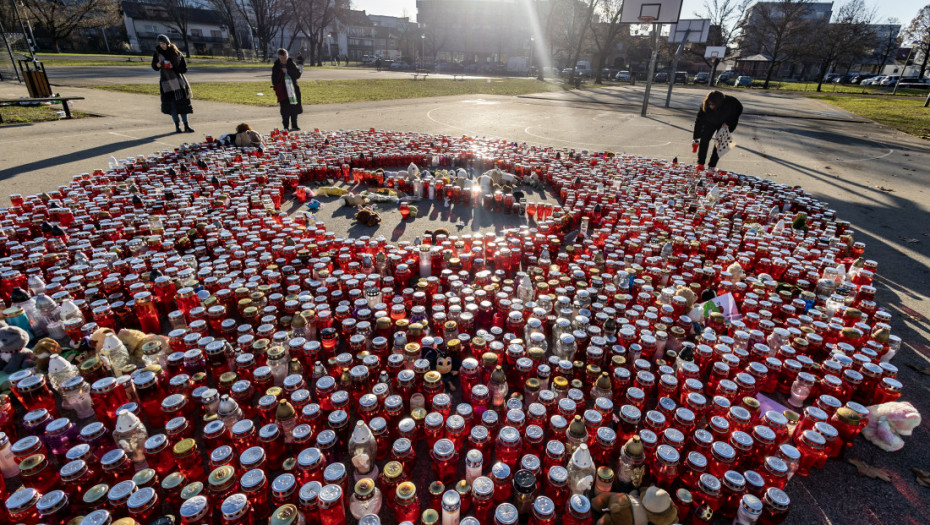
<point>80,155</point>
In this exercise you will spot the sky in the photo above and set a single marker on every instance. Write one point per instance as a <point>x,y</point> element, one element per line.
<point>903,10</point>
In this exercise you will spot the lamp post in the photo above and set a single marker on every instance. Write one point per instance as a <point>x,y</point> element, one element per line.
<point>532,46</point>
<point>422,47</point>
<point>329,44</point>
<point>910,51</point>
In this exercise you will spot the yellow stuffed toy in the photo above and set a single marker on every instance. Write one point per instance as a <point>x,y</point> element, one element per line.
<point>43,351</point>
<point>133,341</point>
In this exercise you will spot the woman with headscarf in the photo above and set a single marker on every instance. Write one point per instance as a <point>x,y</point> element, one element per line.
<point>717,111</point>
<point>174,88</point>
<point>284,75</point>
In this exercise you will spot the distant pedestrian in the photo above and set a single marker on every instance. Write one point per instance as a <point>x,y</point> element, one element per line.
<point>300,62</point>
<point>378,64</point>
<point>717,111</point>
<point>173,86</point>
<point>284,75</point>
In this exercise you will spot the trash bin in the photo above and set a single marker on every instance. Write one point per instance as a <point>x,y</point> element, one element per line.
<point>36,80</point>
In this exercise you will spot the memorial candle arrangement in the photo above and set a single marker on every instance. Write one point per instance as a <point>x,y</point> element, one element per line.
<point>644,326</point>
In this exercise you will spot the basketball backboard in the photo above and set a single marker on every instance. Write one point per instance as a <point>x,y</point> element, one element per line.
<point>696,31</point>
<point>715,52</point>
<point>650,11</point>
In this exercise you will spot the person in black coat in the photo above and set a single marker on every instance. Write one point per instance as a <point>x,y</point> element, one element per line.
<point>284,75</point>
<point>173,86</point>
<point>717,110</point>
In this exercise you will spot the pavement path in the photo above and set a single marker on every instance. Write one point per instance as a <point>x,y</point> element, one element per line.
<point>87,76</point>
<point>873,176</point>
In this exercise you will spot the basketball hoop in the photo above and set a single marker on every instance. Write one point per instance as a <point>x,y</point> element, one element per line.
<point>647,19</point>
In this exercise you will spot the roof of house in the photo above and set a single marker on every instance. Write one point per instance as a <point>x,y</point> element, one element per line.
<point>141,11</point>
<point>755,58</point>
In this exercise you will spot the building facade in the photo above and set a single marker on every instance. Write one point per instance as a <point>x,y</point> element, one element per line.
<point>207,35</point>
<point>473,31</point>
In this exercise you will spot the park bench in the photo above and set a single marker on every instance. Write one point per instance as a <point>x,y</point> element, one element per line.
<point>420,73</point>
<point>458,76</point>
<point>64,102</point>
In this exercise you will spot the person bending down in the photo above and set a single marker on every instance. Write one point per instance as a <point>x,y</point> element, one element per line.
<point>717,111</point>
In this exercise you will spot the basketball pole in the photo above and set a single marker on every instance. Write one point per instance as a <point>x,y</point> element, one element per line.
<point>671,74</point>
<point>652,66</point>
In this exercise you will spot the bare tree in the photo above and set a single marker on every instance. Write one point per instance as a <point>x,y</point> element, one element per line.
<point>311,18</point>
<point>179,18</point>
<point>724,16</point>
<point>848,36</point>
<point>605,33</point>
<point>229,13</point>
<point>886,44</point>
<point>779,29</point>
<point>60,18</point>
<point>919,32</point>
<point>266,17</point>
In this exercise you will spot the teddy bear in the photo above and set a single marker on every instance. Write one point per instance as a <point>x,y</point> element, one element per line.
<point>368,217</point>
<point>888,422</point>
<point>14,355</point>
<point>655,507</point>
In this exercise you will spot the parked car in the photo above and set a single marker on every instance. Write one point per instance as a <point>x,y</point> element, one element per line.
<point>702,78</point>
<point>681,77</point>
<point>661,76</point>
<point>726,77</point>
<point>890,80</point>
<point>831,77</point>
<point>623,76</point>
<point>743,81</point>
<point>609,73</point>
<point>874,81</point>
<point>861,77</point>
<point>567,72</point>
<point>583,72</point>
<point>400,65</point>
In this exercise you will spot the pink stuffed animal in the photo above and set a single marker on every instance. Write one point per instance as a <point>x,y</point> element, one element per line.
<point>888,422</point>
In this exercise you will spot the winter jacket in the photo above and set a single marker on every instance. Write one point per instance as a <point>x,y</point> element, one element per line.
<point>708,122</point>
<point>172,84</point>
<point>277,80</point>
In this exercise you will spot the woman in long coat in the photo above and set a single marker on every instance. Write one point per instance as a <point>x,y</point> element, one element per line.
<point>284,75</point>
<point>174,88</point>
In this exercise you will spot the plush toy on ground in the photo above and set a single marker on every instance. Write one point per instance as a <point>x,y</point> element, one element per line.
<point>888,422</point>
<point>14,355</point>
<point>368,217</point>
<point>43,352</point>
<point>655,507</point>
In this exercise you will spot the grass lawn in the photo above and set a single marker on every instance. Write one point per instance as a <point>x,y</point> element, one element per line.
<point>337,91</point>
<point>907,115</point>
<point>16,114</point>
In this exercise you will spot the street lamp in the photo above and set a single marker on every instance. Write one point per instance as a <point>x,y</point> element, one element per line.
<point>532,46</point>
<point>903,71</point>
<point>329,43</point>
<point>422,47</point>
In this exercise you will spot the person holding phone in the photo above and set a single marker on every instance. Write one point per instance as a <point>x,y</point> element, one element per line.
<point>173,86</point>
<point>717,111</point>
<point>284,75</point>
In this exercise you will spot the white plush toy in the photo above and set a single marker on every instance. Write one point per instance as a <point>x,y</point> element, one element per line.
<point>888,422</point>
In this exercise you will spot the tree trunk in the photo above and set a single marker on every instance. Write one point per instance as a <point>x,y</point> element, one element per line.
<point>823,71</point>
<point>600,58</point>
<point>768,75</point>
<point>57,44</point>
<point>923,66</point>
<point>187,46</point>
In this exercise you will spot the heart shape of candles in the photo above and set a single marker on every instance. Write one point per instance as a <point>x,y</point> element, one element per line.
<point>642,324</point>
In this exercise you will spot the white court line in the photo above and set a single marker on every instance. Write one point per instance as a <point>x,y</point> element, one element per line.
<point>138,138</point>
<point>877,157</point>
<point>528,132</point>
